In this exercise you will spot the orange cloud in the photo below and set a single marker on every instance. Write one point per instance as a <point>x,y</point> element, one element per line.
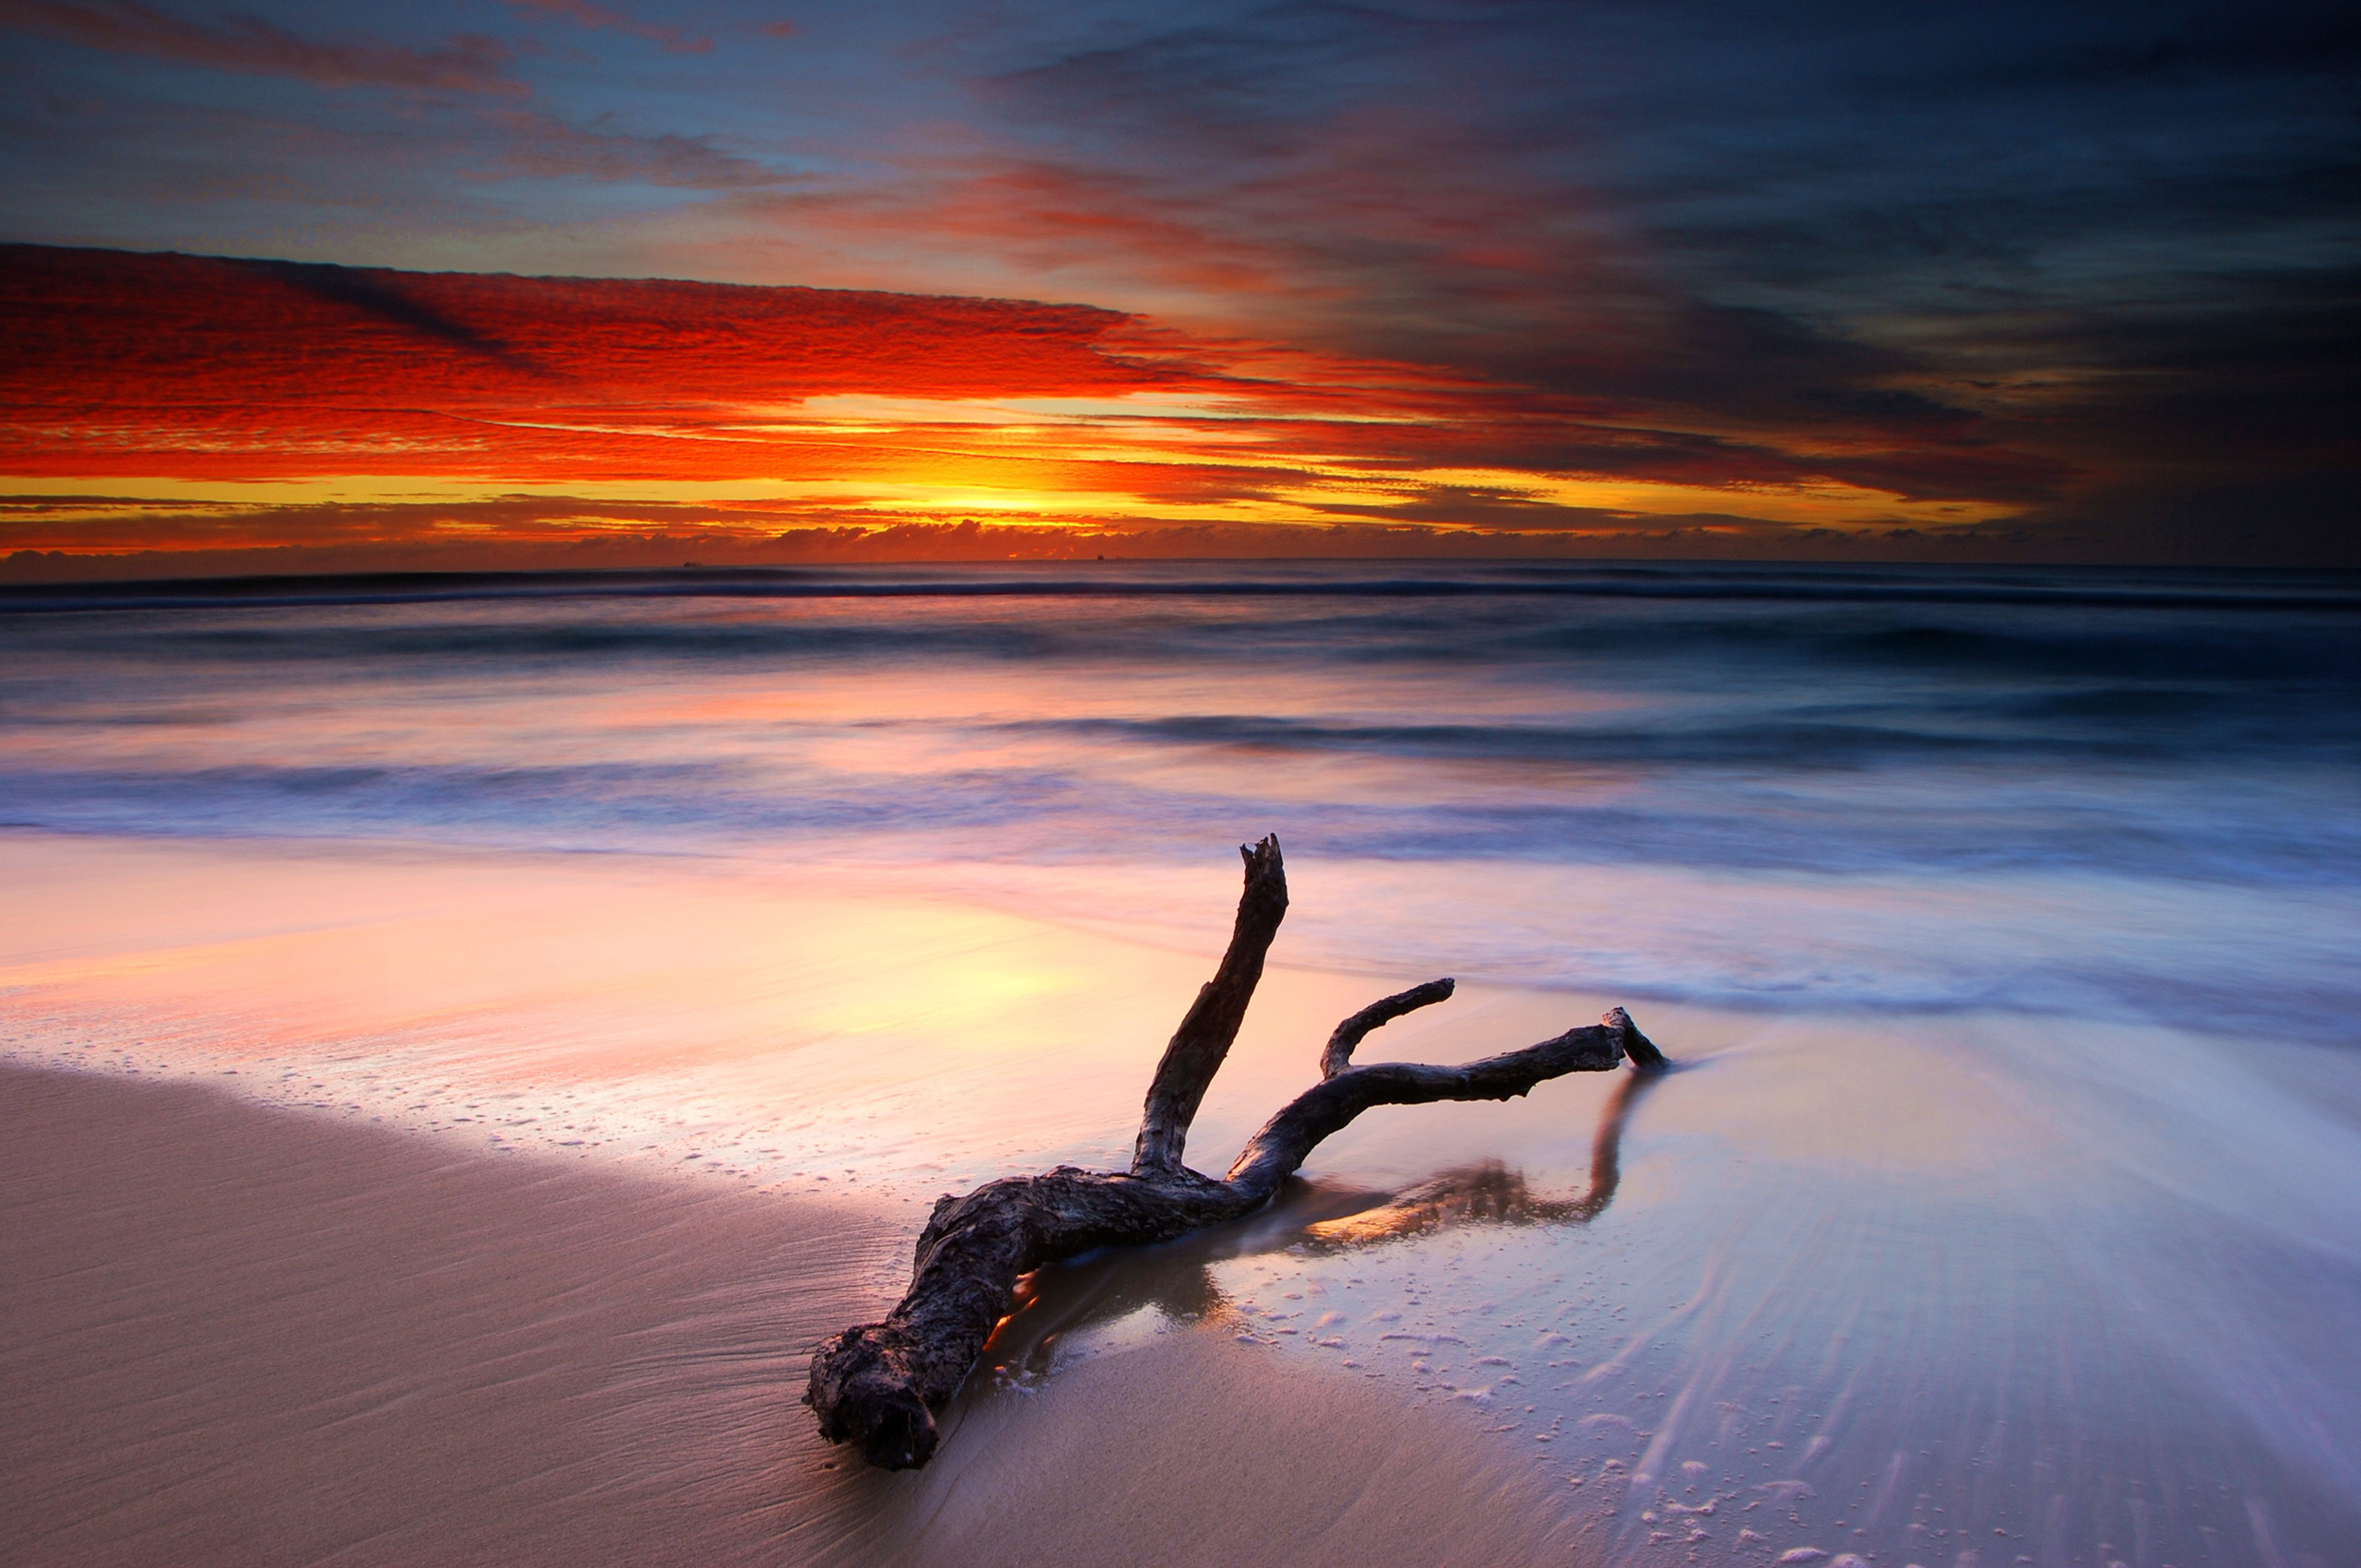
<point>172,401</point>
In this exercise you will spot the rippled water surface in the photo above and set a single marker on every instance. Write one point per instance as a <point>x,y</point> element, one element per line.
<point>2009,1204</point>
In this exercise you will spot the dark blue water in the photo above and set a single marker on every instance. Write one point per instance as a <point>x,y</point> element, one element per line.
<point>2122,793</point>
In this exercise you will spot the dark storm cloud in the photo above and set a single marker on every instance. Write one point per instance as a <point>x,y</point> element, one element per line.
<point>2101,238</point>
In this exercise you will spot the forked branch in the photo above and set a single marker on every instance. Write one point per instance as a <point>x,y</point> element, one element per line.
<point>878,1385</point>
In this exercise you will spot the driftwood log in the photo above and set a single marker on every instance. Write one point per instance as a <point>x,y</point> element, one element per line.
<point>878,1385</point>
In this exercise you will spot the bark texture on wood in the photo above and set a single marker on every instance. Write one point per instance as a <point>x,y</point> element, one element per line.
<point>878,1385</point>
<point>1202,1042</point>
<point>1349,1034</point>
<point>1329,1106</point>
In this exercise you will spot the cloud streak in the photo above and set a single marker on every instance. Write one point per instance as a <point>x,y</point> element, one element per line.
<point>467,63</point>
<point>542,147</point>
<point>244,390</point>
<point>581,13</point>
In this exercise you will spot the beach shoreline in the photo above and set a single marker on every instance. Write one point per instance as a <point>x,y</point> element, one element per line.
<point>582,1151</point>
<point>242,1334</point>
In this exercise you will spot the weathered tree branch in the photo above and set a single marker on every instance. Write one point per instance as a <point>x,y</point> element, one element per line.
<point>1354,1029</point>
<point>879,1385</point>
<point>1202,1042</point>
<point>1329,1106</point>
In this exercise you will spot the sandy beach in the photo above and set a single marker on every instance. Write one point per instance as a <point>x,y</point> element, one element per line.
<point>459,1057</point>
<point>239,1335</point>
<point>375,1207</point>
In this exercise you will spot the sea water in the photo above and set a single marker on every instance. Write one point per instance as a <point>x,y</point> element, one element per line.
<point>2007,1206</point>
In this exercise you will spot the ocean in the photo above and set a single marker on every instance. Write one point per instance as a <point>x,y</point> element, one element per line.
<point>2005,921</point>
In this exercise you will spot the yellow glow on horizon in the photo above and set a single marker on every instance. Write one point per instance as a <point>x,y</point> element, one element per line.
<point>1321,495</point>
<point>203,406</point>
<point>1822,501</point>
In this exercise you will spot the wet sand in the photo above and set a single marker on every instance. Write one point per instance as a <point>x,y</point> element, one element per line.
<point>397,1205</point>
<point>241,1335</point>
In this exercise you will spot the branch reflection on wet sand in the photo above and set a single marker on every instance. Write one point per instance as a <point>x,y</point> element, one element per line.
<point>1490,1191</point>
<point>1176,1281</point>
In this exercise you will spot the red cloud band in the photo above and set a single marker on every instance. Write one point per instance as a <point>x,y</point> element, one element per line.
<point>207,371</point>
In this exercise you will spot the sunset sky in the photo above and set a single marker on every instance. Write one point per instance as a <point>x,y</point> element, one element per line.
<point>1868,281</point>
